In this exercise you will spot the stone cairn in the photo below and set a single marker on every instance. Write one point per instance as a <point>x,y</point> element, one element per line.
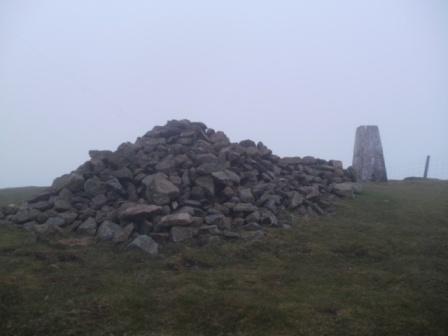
<point>183,181</point>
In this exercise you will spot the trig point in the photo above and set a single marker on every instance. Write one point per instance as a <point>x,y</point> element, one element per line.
<point>368,159</point>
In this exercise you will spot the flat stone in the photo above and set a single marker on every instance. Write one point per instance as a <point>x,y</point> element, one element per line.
<point>178,219</point>
<point>140,211</point>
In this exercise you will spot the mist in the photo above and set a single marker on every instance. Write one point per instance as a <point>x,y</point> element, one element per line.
<point>298,76</point>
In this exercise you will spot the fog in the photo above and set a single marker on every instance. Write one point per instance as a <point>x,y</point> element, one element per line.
<point>298,75</point>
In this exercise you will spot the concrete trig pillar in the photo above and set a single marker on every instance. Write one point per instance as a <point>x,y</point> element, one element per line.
<point>368,159</point>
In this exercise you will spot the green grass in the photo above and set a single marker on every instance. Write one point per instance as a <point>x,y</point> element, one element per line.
<point>18,195</point>
<point>378,267</point>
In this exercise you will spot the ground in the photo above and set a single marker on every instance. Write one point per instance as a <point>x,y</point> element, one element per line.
<point>377,267</point>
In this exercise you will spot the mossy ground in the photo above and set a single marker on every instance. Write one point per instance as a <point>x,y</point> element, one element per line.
<point>377,267</point>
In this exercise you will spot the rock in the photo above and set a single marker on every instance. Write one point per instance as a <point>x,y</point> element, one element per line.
<point>231,234</point>
<point>226,177</point>
<point>62,205</point>
<point>160,190</point>
<point>179,233</point>
<point>347,189</point>
<point>68,217</point>
<point>295,200</point>
<point>178,219</point>
<point>99,200</point>
<point>140,211</point>
<point>93,186</point>
<point>124,235</point>
<point>88,227</point>
<point>184,181</point>
<point>55,221</point>
<point>42,205</point>
<point>72,181</point>
<point>146,244</point>
<point>206,183</point>
<point>115,185</point>
<point>108,231</point>
<point>246,195</point>
<point>215,219</point>
<point>123,174</point>
<point>22,216</point>
<point>244,207</point>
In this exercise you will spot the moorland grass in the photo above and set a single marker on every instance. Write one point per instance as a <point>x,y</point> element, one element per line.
<point>377,267</point>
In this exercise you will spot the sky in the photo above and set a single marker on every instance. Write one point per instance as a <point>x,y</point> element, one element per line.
<point>299,76</point>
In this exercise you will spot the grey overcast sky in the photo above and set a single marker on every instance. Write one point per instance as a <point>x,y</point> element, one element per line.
<point>298,75</point>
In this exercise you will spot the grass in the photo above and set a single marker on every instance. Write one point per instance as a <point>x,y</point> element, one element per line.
<point>18,195</point>
<point>377,267</point>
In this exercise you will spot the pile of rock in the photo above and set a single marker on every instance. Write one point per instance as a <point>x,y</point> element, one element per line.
<point>179,182</point>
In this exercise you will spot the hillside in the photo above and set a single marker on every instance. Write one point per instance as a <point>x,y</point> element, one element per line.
<point>377,267</point>
<point>18,195</point>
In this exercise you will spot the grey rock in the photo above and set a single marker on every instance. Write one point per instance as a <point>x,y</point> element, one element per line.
<point>62,205</point>
<point>246,195</point>
<point>179,233</point>
<point>72,181</point>
<point>115,185</point>
<point>226,177</point>
<point>123,173</point>
<point>55,221</point>
<point>108,230</point>
<point>42,205</point>
<point>140,211</point>
<point>93,186</point>
<point>87,227</point>
<point>347,189</point>
<point>160,190</point>
<point>295,200</point>
<point>99,200</point>
<point>207,183</point>
<point>146,244</point>
<point>177,219</point>
<point>244,207</point>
